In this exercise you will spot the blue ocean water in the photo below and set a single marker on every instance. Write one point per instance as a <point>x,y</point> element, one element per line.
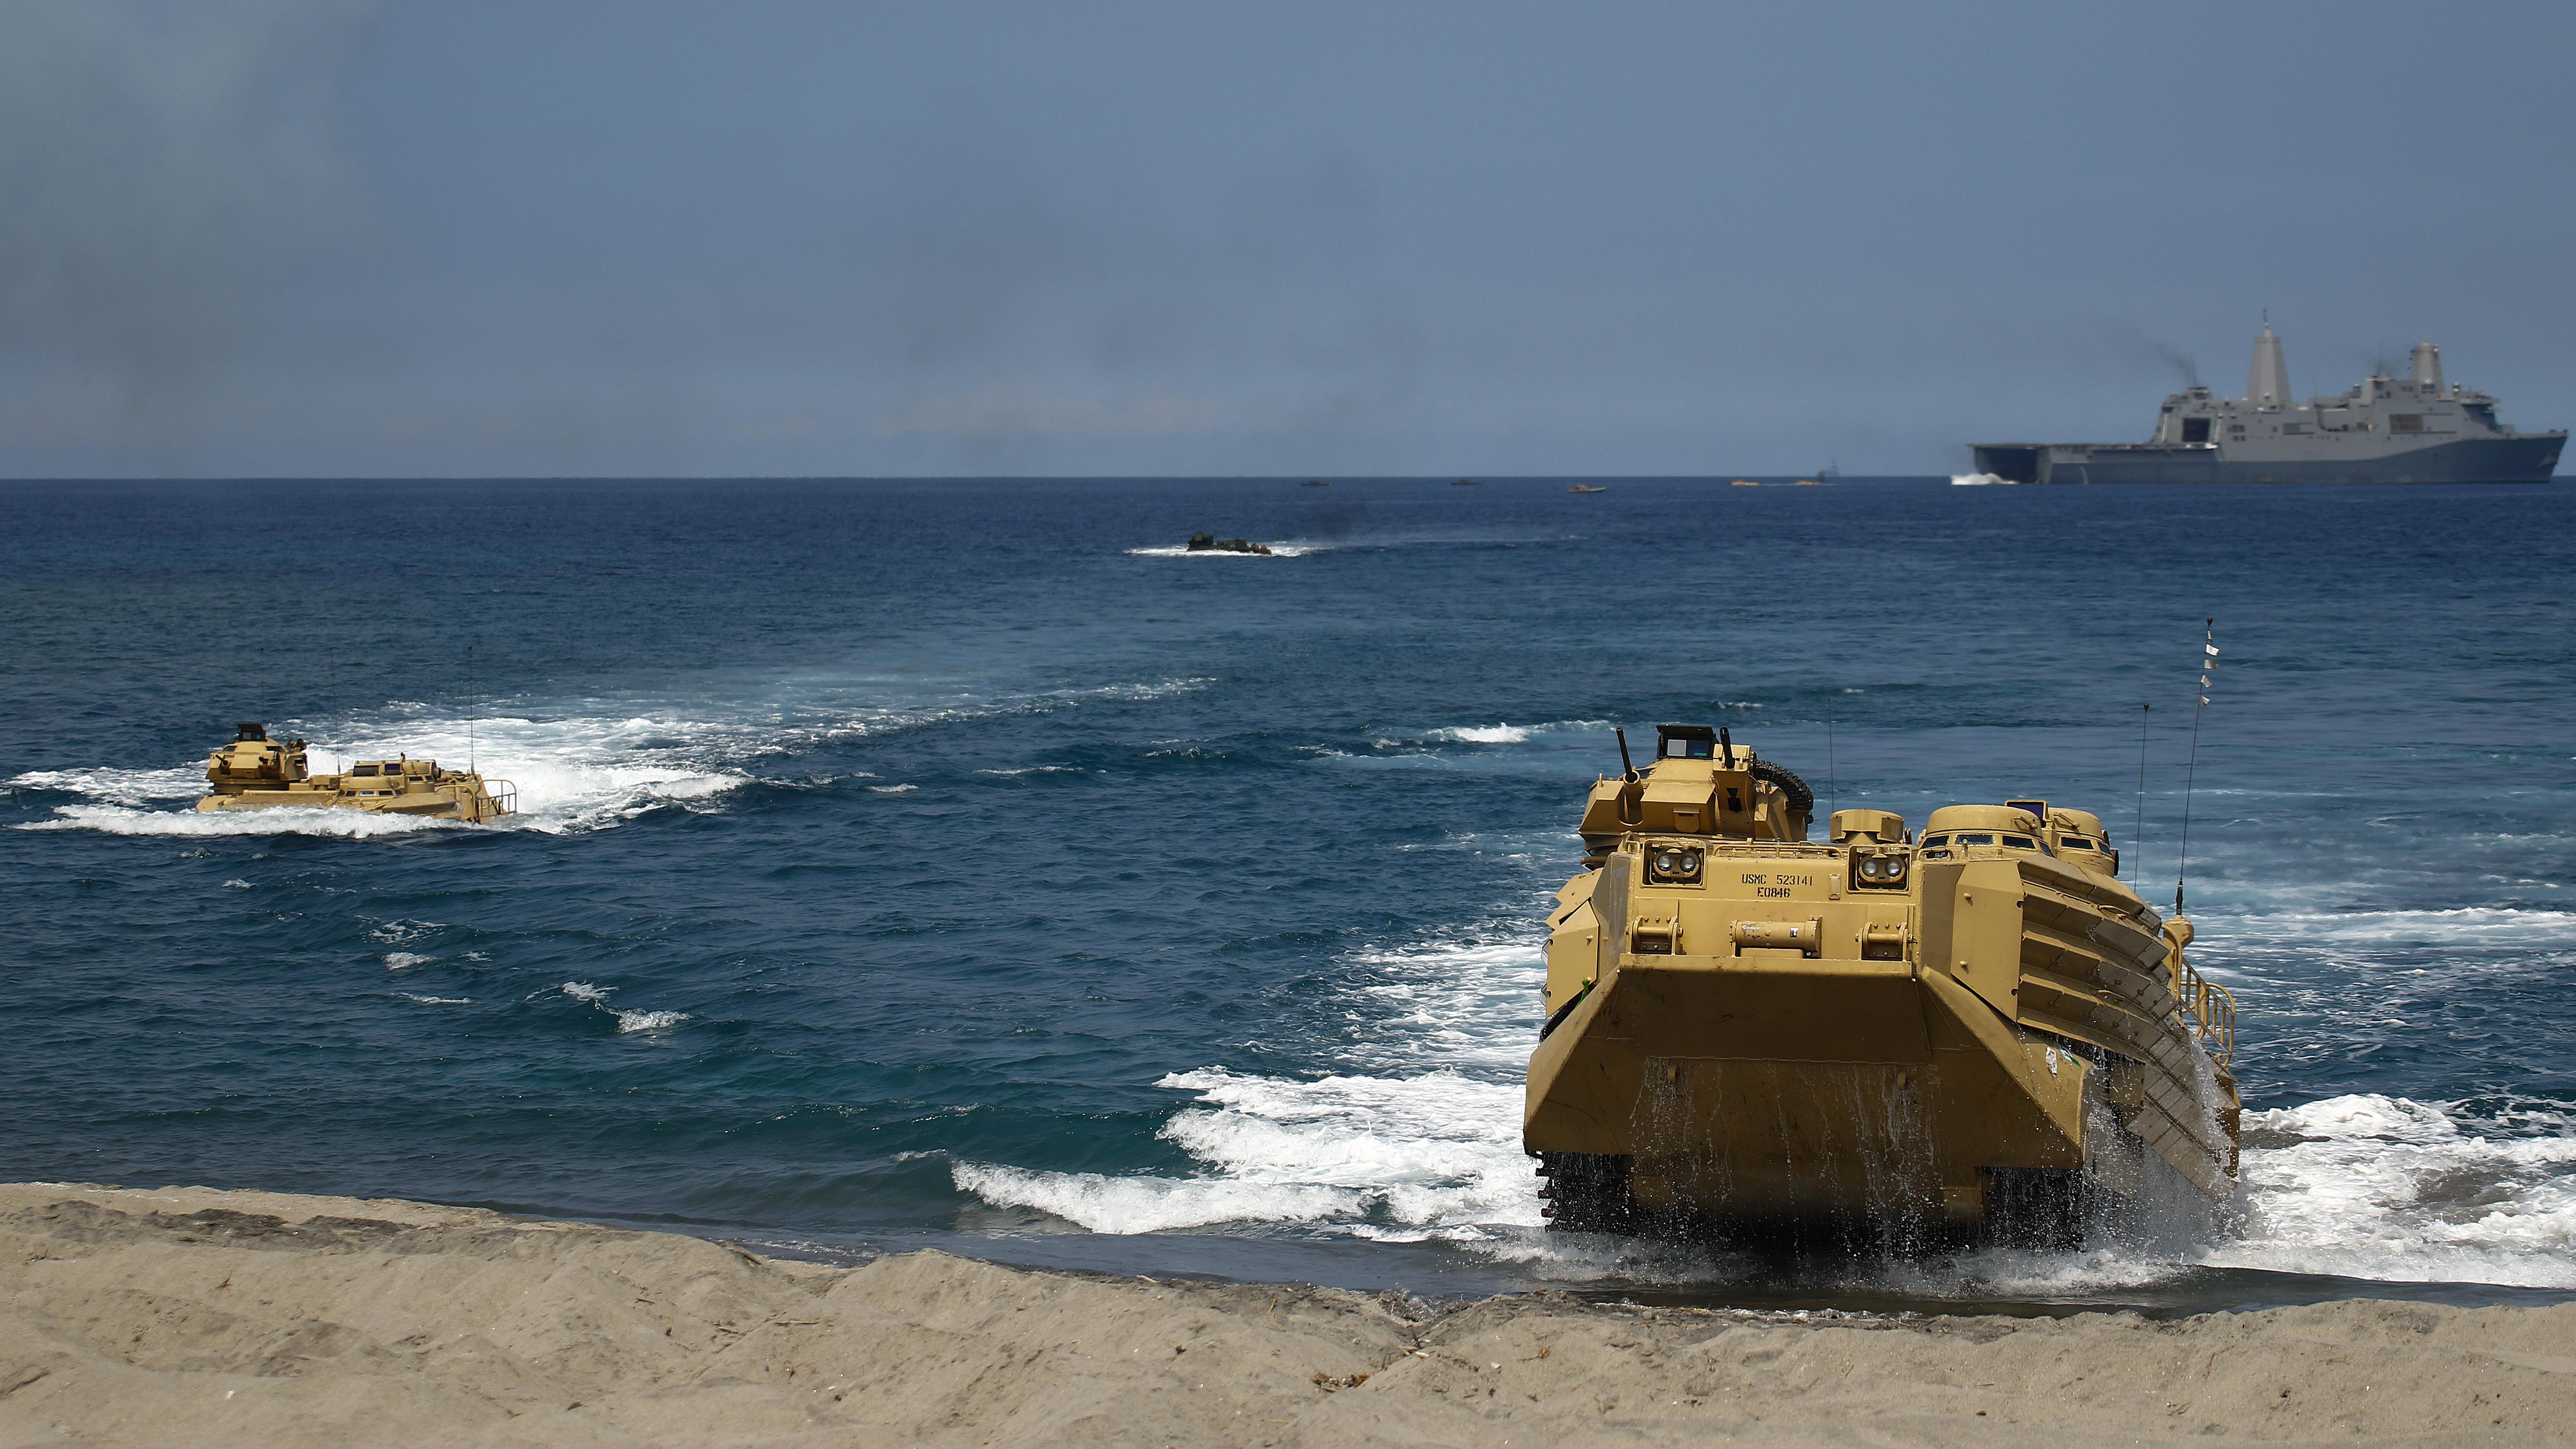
<point>959,863</point>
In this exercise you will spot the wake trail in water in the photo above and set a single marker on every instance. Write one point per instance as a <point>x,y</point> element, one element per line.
<point>587,770</point>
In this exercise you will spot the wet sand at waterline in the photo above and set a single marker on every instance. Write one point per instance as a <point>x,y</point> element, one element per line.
<point>189,1315</point>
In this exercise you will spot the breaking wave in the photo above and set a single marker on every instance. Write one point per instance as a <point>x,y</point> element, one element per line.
<point>1418,1138</point>
<point>627,1021</point>
<point>2370,1186</point>
<point>2469,925</point>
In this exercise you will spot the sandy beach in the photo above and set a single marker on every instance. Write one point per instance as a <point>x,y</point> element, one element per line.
<point>188,1315</point>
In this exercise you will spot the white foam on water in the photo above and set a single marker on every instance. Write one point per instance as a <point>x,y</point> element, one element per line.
<point>405,960</point>
<point>1104,1204</point>
<point>437,1000</point>
<point>1501,734</point>
<point>1277,550</point>
<point>649,1020</point>
<point>1977,480</point>
<point>118,787</point>
<point>342,824</point>
<point>1391,1158</point>
<point>627,1021</point>
<point>237,885</point>
<point>2389,1188</point>
<point>585,770</point>
<point>2464,925</point>
<point>892,789</point>
<point>1419,1139</point>
<point>1506,733</point>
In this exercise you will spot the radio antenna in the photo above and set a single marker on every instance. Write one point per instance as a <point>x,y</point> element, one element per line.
<point>469,709</point>
<point>1833,799</point>
<point>2208,662</point>
<point>2138,839</point>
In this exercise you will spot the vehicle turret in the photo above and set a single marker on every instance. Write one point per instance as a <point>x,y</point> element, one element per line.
<point>1699,783</point>
<point>1872,827</point>
<point>253,761</point>
<point>2077,837</point>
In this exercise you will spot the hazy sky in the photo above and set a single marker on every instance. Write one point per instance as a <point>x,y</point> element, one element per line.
<point>629,238</point>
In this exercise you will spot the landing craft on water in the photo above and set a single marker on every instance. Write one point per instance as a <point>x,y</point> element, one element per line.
<point>2381,431</point>
<point>255,772</point>
<point>1978,1033</point>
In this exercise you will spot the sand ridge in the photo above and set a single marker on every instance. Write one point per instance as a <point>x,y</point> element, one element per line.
<point>205,1317</point>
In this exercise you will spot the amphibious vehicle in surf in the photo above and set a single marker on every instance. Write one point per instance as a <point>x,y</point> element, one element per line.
<point>1979,1032</point>
<point>255,772</point>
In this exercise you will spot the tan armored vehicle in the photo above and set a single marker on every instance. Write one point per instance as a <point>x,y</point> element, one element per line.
<point>255,772</point>
<point>1978,1033</point>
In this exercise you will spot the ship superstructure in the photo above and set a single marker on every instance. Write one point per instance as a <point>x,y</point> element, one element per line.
<point>2417,429</point>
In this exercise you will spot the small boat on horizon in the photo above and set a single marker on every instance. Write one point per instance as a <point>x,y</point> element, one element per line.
<point>1587,488</point>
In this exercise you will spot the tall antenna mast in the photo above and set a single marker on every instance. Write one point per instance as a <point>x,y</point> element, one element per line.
<point>469,709</point>
<point>1833,800</point>
<point>2138,840</point>
<point>2208,662</point>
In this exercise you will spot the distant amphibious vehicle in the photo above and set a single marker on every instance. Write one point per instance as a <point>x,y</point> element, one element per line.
<point>2381,431</point>
<point>1980,1033</point>
<point>255,772</point>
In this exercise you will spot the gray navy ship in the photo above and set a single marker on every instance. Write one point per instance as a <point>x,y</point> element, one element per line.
<point>2382,431</point>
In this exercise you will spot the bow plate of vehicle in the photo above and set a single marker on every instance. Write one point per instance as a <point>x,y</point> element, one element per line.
<point>1980,1032</point>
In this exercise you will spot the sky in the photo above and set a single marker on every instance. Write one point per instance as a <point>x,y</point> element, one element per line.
<point>330,238</point>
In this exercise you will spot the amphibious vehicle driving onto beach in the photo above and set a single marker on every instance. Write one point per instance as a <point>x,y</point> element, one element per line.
<point>255,772</point>
<point>1977,1032</point>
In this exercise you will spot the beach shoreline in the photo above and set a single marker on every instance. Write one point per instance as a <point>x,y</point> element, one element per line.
<point>233,1317</point>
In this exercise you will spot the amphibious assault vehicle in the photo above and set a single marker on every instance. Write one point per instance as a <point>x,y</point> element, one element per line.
<point>255,772</point>
<point>1978,1032</point>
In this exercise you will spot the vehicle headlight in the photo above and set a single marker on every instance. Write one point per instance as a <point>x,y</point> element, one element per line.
<point>1878,870</point>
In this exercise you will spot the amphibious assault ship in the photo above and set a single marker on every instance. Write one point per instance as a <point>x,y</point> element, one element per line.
<point>2381,431</point>
<point>1980,1032</point>
<point>255,772</point>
